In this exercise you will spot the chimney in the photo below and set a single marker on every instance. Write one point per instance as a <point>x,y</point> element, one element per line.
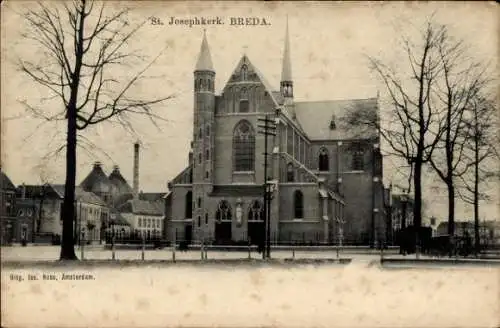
<point>136,169</point>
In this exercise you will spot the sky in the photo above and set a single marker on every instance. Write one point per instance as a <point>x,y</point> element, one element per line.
<point>329,43</point>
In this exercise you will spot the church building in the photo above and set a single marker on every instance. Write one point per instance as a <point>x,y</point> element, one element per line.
<point>326,174</point>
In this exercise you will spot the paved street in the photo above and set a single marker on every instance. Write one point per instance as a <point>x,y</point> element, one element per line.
<point>50,253</point>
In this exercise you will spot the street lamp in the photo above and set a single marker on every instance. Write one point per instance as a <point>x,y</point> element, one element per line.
<point>404,203</point>
<point>270,188</point>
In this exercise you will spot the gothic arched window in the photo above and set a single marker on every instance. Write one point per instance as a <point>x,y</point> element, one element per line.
<point>243,147</point>
<point>323,160</point>
<point>189,205</point>
<point>244,72</point>
<point>223,212</point>
<point>256,211</point>
<point>290,176</point>
<point>357,157</point>
<point>298,204</point>
<point>244,103</point>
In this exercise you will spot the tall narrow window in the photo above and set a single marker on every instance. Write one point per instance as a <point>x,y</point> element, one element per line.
<point>207,130</point>
<point>298,203</point>
<point>323,160</point>
<point>289,140</point>
<point>256,211</point>
<point>189,205</point>
<point>244,72</point>
<point>199,202</point>
<point>206,218</point>
<point>207,155</point>
<point>199,221</point>
<point>243,147</point>
<point>357,157</point>
<point>290,176</point>
<point>223,212</point>
<point>244,106</point>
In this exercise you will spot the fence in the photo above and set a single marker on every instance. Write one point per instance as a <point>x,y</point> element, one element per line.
<point>188,250</point>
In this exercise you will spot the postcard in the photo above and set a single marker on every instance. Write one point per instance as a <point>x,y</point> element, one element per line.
<point>249,164</point>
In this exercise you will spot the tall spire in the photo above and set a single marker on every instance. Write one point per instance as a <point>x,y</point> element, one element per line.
<point>286,71</point>
<point>286,84</point>
<point>204,62</point>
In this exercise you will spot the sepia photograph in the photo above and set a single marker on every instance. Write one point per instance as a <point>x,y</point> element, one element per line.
<point>249,164</point>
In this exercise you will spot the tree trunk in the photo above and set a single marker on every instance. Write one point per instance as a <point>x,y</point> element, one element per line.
<point>417,206</point>
<point>451,207</point>
<point>477,241</point>
<point>67,243</point>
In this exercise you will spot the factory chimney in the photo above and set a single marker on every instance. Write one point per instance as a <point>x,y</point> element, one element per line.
<point>136,169</point>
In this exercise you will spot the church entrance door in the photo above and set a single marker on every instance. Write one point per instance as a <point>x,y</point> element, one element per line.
<point>188,234</point>
<point>256,232</point>
<point>223,232</point>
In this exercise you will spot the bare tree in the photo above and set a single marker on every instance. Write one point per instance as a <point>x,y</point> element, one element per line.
<point>461,80</point>
<point>412,127</point>
<point>480,152</point>
<point>81,49</point>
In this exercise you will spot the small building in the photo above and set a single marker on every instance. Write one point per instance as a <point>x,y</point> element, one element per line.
<point>145,217</point>
<point>117,226</point>
<point>7,210</point>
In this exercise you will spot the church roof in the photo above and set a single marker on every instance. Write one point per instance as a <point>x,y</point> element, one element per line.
<point>5,182</point>
<point>329,120</point>
<point>204,62</point>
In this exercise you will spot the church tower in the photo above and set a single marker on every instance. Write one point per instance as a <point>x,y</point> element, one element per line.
<point>286,84</point>
<point>203,134</point>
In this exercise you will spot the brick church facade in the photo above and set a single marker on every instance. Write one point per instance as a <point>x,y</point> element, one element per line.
<point>327,174</point>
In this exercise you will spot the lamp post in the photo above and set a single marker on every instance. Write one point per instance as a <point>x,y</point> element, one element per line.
<point>404,202</point>
<point>112,224</point>
<point>270,187</point>
<point>267,128</point>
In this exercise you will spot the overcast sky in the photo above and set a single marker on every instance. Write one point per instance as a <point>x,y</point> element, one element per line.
<point>329,43</point>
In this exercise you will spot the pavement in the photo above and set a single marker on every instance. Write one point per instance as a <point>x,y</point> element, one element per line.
<point>98,255</point>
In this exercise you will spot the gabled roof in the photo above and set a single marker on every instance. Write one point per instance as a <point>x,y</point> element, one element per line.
<point>315,118</point>
<point>5,182</point>
<point>81,195</point>
<point>137,206</point>
<point>244,60</point>
<point>38,191</point>
<point>152,196</point>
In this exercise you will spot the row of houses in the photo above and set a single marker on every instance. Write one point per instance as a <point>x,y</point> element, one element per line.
<point>105,205</point>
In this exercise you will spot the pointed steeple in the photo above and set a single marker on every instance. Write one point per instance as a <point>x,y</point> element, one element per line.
<point>204,62</point>
<point>286,84</point>
<point>286,70</point>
